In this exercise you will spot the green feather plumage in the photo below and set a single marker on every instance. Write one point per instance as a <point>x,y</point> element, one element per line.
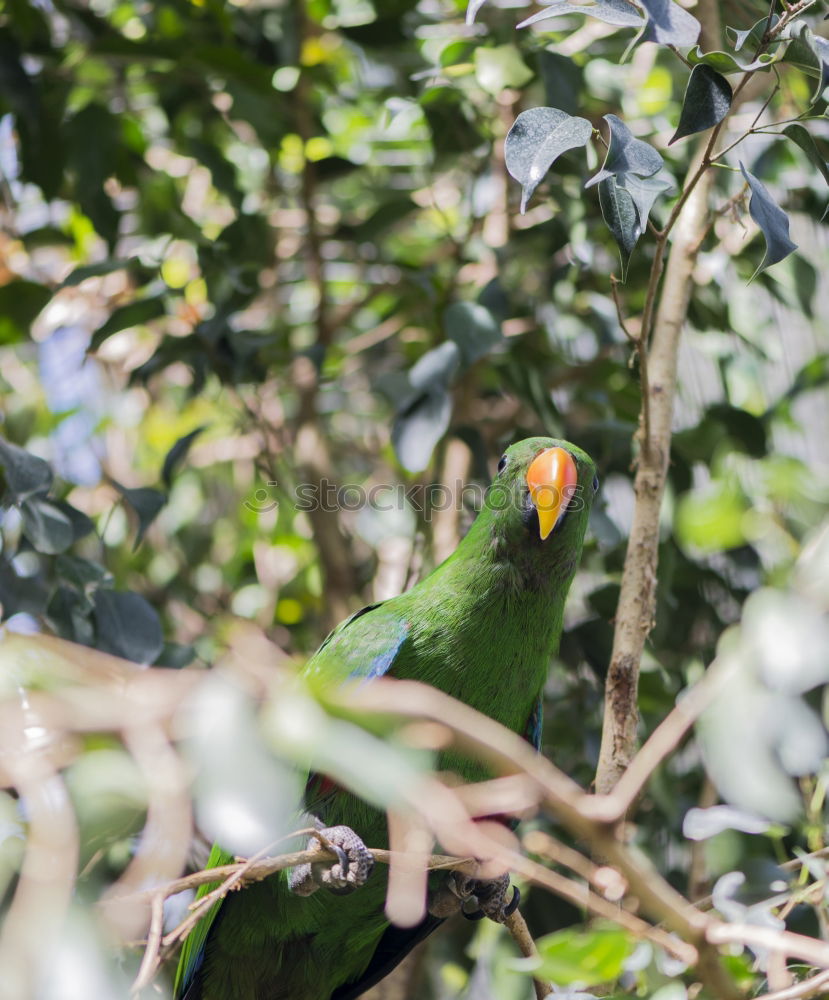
<point>482,627</point>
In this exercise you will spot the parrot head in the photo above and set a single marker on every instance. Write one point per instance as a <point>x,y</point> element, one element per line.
<point>541,496</point>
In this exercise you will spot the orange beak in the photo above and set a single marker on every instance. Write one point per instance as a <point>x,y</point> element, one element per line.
<point>552,478</point>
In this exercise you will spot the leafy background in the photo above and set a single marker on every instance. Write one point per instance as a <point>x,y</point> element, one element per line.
<point>251,246</point>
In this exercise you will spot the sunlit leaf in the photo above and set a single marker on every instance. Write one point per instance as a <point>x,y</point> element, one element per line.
<point>706,103</point>
<point>500,67</point>
<point>583,957</point>
<point>772,220</point>
<point>419,427</point>
<point>618,12</point>
<point>536,140</point>
<point>669,24</point>
<point>699,824</point>
<point>472,10</point>
<point>473,328</point>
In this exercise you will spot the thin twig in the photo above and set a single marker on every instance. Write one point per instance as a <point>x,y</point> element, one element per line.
<point>801,990</point>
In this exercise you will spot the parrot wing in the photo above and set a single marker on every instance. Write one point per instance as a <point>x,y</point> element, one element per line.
<point>192,952</point>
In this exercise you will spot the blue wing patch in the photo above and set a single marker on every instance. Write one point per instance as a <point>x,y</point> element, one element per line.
<point>383,661</point>
<point>535,725</point>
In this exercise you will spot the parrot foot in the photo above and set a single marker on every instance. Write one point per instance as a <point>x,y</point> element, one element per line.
<point>352,868</point>
<point>490,895</point>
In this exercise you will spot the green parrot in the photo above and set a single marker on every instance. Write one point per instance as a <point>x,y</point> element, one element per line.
<point>482,627</point>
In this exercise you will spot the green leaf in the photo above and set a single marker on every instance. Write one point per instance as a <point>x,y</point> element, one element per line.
<point>99,269</point>
<point>707,101</point>
<point>753,35</point>
<point>26,475</point>
<point>537,138</point>
<point>146,502</point>
<point>810,53</point>
<point>419,426</point>
<point>473,328</point>
<point>626,154</point>
<point>584,957</point>
<point>472,10</point>
<point>621,217</point>
<point>771,219</point>
<point>127,625</point>
<point>644,191</point>
<point>135,314</point>
<point>669,24</point>
<point>724,62</point>
<point>20,303</point>
<point>499,68</point>
<point>176,455</point>
<point>800,137</point>
<point>618,12</point>
<point>436,368</point>
<point>46,526</point>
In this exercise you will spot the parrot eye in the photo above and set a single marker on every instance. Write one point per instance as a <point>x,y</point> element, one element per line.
<point>502,463</point>
<point>595,484</point>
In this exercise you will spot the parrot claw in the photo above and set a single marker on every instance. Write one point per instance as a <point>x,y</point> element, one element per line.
<point>352,868</point>
<point>489,895</point>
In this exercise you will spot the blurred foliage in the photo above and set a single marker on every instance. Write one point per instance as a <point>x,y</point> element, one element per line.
<point>260,261</point>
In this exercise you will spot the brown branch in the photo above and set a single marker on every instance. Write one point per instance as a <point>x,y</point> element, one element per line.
<point>517,926</point>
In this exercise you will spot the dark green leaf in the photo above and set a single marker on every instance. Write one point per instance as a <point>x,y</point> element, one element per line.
<point>20,302</point>
<point>80,573</point>
<point>810,53</point>
<point>176,455</point>
<point>753,35</point>
<point>81,524</point>
<point>621,217</point>
<point>669,24</point>
<point>707,101</point>
<point>537,138</point>
<point>146,502</point>
<point>26,475</point>
<point>724,62</point>
<point>46,526</point>
<point>626,154</point>
<point>563,80</point>
<point>644,191</point>
<point>617,12</point>
<point>127,626</point>
<point>473,328</point>
<point>97,270</point>
<point>20,594</point>
<point>800,137</point>
<point>175,655</point>
<point>419,427</point>
<point>771,219</point>
<point>68,614</point>
<point>134,314</point>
